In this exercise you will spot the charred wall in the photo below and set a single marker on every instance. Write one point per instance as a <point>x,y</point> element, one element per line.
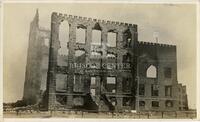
<point>123,53</point>
<point>129,75</point>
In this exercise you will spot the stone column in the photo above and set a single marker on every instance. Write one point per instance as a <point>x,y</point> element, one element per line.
<point>88,41</point>
<point>87,58</point>
<point>71,59</point>
<point>119,77</point>
<point>104,35</point>
<point>103,62</point>
<point>53,52</point>
<point>104,53</point>
<point>134,66</point>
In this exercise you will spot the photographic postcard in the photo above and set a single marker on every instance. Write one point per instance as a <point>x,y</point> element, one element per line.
<point>99,60</point>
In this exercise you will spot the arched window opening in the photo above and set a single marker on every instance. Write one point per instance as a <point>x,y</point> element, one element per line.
<point>96,34</point>
<point>112,39</point>
<point>93,81</point>
<point>64,38</point>
<point>93,91</point>
<point>111,84</point>
<point>111,61</point>
<point>96,37</point>
<point>80,35</point>
<point>127,38</point>
<point>151,72</point>
<point>128,42</point>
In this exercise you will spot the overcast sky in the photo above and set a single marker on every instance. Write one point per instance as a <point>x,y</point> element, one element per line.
<point>176,25</point>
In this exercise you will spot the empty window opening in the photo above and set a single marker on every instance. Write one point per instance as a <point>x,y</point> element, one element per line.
<point>111,61</point>
<point>141,89</point>
<point>126,101</point>
<point>155,104</point>
<point>111,80</point>
<point>142,103</point>
<point>154,90</point>
<point>126,84</point>
<point>63,38</point>
<point>127,58</point>
<point>168,72</point>
<point>127,38</point>
<point>46,42</point>
<point>151,72</point>
<point>128,42</point>
<point>168,91</point>
<point>61,99</point>
<point>111,84</point>
<point>96,37</point>
<point>78,83</point>
<point>113,101</point>
<point>93,92</point>
<point>93,81</point>
<point>112,39</point>
<point>80,35</point>
<point>168,103</point>
<point>61,82</point>
<point>78,101</point>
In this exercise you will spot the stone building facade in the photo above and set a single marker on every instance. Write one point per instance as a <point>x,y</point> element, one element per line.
<point>118,75</point>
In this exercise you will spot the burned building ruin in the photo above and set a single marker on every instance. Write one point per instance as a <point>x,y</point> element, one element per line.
<point>116,72</point>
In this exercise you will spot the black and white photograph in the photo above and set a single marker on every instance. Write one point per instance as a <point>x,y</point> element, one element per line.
<point>116,60</point>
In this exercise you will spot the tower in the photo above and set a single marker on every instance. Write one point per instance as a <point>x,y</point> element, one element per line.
<point>32,75</point>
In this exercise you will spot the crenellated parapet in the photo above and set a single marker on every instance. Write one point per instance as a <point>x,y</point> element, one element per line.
<point>75,18</point>
<point>141,43</point>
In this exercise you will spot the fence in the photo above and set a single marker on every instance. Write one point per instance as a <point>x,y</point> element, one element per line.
<point>102,114</point>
